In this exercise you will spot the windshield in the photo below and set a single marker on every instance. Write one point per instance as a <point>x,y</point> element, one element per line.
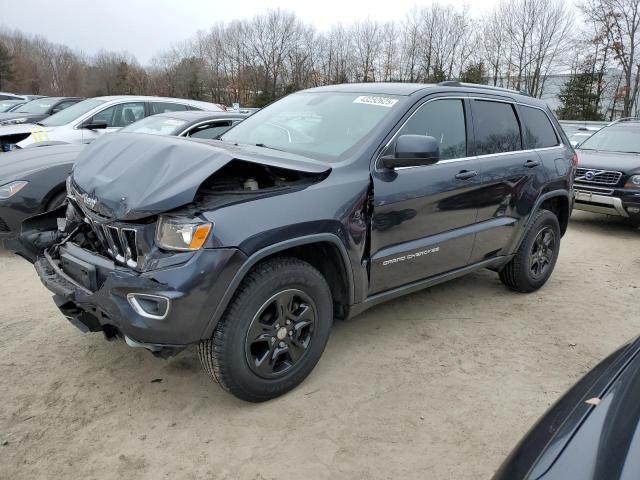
<point>36,106</point>
<point>617,138</point>
<point>6,105</point>
<point>72,113</point>
<point>156,125</point>
<point>325,125</point>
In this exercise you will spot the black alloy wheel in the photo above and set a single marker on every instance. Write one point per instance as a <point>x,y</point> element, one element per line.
<point>542,253</point>
<point>280,333</point>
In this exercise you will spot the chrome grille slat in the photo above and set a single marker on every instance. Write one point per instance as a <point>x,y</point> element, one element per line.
<point>598,177</point>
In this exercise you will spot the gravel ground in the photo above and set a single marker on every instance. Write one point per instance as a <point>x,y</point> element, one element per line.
<point>439,384</point>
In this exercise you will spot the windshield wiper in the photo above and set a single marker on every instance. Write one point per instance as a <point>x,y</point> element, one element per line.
<point>262,145</point>
<point>39,124</point>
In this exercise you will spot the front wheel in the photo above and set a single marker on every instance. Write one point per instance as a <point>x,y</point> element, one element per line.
<point>273,332</point>
<point>536,257</point>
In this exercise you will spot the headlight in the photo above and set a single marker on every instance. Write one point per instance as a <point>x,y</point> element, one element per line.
<point>174,233</point>
<point>14,121</point>
<point>10,189</point>
<point>633,182</point>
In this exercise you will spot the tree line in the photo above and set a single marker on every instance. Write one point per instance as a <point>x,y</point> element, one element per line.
<point>518,44</point>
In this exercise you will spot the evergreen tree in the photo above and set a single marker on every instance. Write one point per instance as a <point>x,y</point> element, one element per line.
<point>579,101</point>
<point>6,66</point>
<point>474,73</point>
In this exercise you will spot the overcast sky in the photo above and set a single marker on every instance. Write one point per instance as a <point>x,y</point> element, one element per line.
<point>145,27</point>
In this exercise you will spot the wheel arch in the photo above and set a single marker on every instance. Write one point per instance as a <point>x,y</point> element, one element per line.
<point>324,251</point>
<point>558,202</point>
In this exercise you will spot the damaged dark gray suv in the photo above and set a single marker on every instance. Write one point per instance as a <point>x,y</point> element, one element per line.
<point>323,204</point>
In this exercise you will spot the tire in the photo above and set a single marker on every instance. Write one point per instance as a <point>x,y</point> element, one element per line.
<point>521,273</point>
<point>252,355</point>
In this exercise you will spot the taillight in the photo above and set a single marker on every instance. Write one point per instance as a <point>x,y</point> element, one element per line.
<point>574,159</point>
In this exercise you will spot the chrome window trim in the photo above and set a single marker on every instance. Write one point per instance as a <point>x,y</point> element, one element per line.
<point>475,157</point>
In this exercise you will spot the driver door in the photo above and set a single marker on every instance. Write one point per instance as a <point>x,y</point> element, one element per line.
<point>116,117</point>
<point>423,217</point>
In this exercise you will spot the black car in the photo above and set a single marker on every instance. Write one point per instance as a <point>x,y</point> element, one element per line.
<point>321,205</point>
<point>32,180</point>
<point>608,175</point>
<point>591,433</point>
<point>36,110</point>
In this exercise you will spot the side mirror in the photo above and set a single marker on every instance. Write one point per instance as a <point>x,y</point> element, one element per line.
<point>413,151</point>
<point>94,125</point>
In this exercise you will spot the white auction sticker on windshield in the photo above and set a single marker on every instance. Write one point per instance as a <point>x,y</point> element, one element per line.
<point>375,100</point>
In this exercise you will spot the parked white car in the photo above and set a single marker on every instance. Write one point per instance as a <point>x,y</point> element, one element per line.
<point>86,120</point>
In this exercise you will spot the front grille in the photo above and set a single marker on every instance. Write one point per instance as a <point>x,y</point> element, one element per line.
<point>599,177</point>
<point>120,242</point>
<point>3,226</point>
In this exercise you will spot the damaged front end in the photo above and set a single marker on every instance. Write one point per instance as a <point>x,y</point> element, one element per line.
<point>121,271</point>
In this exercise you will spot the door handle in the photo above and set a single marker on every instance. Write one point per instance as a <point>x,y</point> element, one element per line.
<point>466,174</point>
<point>531,163</point>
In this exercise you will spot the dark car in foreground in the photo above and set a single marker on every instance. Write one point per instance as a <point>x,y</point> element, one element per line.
<point>591,433</point>
<point>36,110</point>
<point>32,180</point>
<point>608,175</point>
<point>323,204</point>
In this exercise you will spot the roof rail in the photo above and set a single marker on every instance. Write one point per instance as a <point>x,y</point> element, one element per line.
<point>455,83</point>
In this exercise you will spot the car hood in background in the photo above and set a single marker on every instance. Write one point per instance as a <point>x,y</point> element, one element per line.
<point>132,176</point>
<point>20,163</point>
<point>624,162</point>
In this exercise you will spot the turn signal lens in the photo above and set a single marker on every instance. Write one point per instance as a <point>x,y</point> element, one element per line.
<point>574,159</point>
<point>200,236</point>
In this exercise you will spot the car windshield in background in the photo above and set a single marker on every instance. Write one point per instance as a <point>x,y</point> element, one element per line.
<point>6,105</point>
<point>323,125</point>
<point>72,113</point>
<point>617,138</point>
<point>35,106</point>
<point>156,126</point>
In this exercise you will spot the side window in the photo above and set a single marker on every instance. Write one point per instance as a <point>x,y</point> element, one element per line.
<point>163,107</point>
<point>210,131</point>
<point>496,127</point>
<point>118,116</point>
<point>445,121</point>
<point>540,132</point>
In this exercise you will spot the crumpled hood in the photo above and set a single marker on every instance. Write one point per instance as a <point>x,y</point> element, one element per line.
<point>17,164</point>
<point>623,162</point>
<point>133,176</point>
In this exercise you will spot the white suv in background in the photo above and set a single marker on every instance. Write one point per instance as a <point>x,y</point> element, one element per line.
<point>86,120</point>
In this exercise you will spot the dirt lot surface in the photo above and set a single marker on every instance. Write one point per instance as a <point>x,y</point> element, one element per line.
<point>440,384</point>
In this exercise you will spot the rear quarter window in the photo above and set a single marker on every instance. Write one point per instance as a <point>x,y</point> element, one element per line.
<point>538,128</point>
<point>496,127</point>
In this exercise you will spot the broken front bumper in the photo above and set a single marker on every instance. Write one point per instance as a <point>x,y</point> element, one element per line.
<point>162,309</point>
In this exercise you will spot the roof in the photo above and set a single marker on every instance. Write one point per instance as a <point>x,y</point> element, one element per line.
<point>196,115</point>
<point>387,88</point>
<point>406,89</point>
<point>146,98</point>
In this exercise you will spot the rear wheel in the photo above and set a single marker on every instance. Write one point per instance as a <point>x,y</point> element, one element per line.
<point>536,258</point>
<point>273,332</point>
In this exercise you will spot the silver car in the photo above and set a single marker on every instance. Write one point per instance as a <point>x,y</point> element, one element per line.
<point>86,120</point>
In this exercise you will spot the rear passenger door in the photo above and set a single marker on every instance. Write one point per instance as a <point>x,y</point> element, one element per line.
<point>512,175</point>
<point>423,216</point>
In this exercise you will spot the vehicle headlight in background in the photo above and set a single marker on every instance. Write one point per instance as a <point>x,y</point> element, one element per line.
<point>633,182</point>
<point>16,120</point>
<point>174,233</point>
<point>10,189</point>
